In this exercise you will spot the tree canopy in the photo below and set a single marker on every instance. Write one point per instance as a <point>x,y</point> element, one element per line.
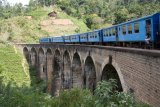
<point>95,13</point>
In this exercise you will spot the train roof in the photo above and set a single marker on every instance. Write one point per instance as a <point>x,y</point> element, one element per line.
<point>109,27</point>
<point>56,36</point>
<point>145,17</point>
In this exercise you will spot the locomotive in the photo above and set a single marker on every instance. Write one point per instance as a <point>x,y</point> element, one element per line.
<point>141,32</point>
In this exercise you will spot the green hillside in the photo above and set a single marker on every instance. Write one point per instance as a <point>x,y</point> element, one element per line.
<point>12,66</point>
<point>30,28</point>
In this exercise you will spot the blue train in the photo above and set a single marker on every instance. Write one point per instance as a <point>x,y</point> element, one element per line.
<point>139,32</point>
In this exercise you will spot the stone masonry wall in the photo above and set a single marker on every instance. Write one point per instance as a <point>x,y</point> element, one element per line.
<point>138,70</point>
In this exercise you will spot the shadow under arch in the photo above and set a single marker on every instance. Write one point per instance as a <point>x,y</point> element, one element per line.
<point>89,74</point>
<point>110,63</point>
<point>109,72</point>
<point>77,78</point>
<point>26,54</point>
<point>33,57</point>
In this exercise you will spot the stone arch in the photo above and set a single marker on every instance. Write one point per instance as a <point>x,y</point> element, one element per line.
<point>41,63</point>
<point>116,69</point>
<point>49,61</point>
<point>33,57</point>
<point>26,54</point>
<point>66,75</point>
<point>57,66</point>
<point>89,74</point>
<point>77,78</point>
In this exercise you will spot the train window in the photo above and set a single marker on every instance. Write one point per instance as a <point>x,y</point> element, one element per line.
<point>124,29</point>
<point>110,32</point>
<point>104,32</point>
<point>136,27</point>
<point>107,32</point>
<point>95,34</point>
<point>114,31</point>
<point>148,28</point>
<point>130,29</point>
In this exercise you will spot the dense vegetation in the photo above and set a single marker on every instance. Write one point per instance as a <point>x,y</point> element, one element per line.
<point>29,24</point>
<point>97,13</point>
<point>11,66</point>
<point>33,97</point>
<point>19,89</point>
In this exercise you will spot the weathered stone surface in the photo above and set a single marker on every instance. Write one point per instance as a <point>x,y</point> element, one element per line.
<point>136,70</point>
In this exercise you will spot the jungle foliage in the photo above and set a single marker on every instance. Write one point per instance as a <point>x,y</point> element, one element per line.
<point>34,97</point>
<point>97,13</point>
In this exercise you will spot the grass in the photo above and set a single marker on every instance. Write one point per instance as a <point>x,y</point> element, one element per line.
<point>20,29</point>
<point>40,13</point>
<point>11,66</point>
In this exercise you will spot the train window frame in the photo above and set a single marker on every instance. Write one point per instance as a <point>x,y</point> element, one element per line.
<point>130,30</point>
<point>124,30</point>
<point>113,31</point>
<point>95,34</point>
<point>110,32</point>
<point>136,30</point>
<point>107,32</point>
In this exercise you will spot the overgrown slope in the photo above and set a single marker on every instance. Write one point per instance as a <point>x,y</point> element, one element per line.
<point>11,69</point>
<point>37,24</point>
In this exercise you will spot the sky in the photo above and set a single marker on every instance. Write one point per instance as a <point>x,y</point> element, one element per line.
<point>24,2</point>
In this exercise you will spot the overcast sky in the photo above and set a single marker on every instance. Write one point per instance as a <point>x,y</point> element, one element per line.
<point>24,2</point>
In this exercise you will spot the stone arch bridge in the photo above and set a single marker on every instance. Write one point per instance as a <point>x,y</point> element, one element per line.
<point>68,66</point>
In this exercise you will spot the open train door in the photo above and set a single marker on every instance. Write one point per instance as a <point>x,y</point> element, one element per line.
<point>148,28</point>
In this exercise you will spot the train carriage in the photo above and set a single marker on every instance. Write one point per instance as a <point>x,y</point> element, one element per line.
<point>45,40</point>
<point>67,39</point>
<point>83,37</point>
<point>140,29</point>
<point>57,39</point>
<point>75,38</point>
<point>95,37</point>
<point>110,34</point>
